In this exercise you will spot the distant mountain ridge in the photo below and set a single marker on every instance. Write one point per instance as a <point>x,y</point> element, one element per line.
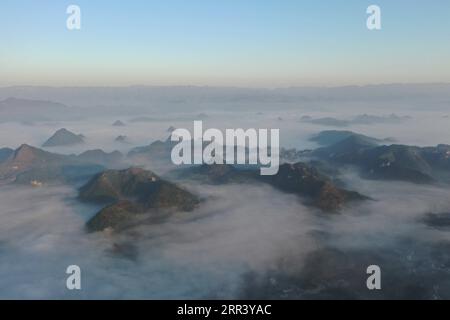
<point>141,95</point>
<point>390,162</point>
<point>27,164</point>
<point>156,151</point>
<point>19,109</point>
<point>99,156</point>
<point>330,137</point>
<point>364,119</point>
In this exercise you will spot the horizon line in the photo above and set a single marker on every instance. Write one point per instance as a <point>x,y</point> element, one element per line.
<point>230,87</point>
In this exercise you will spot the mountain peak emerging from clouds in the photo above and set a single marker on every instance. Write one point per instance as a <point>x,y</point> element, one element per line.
<point>132,192</point>
<point>63,137</point>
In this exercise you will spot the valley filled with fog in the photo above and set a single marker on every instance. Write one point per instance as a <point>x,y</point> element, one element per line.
<point>251,239</point>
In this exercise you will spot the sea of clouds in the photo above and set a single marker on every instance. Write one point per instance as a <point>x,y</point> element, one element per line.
<point>243,241</point>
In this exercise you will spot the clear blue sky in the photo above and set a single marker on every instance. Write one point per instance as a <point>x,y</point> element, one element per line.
<point>269,43</point>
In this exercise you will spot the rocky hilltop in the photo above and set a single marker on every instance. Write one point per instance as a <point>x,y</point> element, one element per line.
<point>131,192</point>
<point>313,187</point>
<point>306,181</point>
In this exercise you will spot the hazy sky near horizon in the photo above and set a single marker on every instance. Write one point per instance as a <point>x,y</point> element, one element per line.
<point>267,43</point>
